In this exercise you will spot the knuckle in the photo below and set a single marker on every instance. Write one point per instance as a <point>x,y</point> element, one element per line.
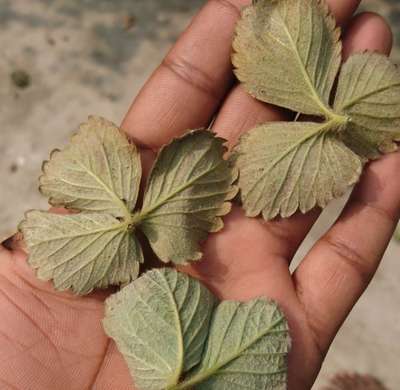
<point>191,75</point>
<point>351,257</point>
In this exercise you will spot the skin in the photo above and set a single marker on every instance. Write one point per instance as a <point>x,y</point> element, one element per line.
<point>52,340</point>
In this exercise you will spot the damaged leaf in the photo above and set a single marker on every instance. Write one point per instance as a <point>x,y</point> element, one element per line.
<point>188,192</point>
<point>288,53</point>
<point>369,93</point>
<point>286,166</point>
<point>99,171</point>
<point>98,175</point>
<point>81,251</point>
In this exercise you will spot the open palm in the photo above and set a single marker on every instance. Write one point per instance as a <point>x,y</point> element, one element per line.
<point>53,340</point>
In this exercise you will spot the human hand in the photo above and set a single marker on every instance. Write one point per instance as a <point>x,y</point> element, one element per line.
<point>52,340</point>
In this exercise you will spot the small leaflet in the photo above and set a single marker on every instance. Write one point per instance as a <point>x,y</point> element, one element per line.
<point>369,93</point>
<point>290,166</point>
<point>99,171</point>
<point>174,336</point>
<point>188,192</point>
<point>288,53</point>
<point>246,349</point>
<point>81,251</point>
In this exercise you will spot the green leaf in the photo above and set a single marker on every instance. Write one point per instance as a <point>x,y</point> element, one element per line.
<point>288,53</point>
<point>286,166</point>
<point>187,193</point>
<point>173,338</point>
<point>160,323</point>
<point>369,93</point>
<point>81,251</point>
<point>246,348</point>
<point>99,171</point>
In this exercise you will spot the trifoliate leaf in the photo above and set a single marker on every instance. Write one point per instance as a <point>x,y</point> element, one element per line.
<point>288,53</point>
<point>81,251</point>
<point>246,348</point>
<point>99,171</point>
<point>369,93</point>
<point>186,196</point>
<point>172,337</point>
<point>286,166</point>
<point>160,323</point>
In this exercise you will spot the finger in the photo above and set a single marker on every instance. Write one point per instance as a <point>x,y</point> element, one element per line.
<point>188,87</point>
<point>338,269</point>
<point>368,31</point>
<point>343,9</point>
<point>241,112</point>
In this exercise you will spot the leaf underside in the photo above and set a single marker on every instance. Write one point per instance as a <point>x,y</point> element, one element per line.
<point>369,93</point>
<point>173,337</point>
<point>99,171</point>
<point>188,192</point>
<point>81,251</point>
<point>98,174</point>
<point>288,53</point>
<point>246,348</point>
<point>286,166</point>
<point>160,323</point>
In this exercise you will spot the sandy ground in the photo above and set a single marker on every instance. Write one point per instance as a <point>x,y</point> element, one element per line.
<point>83,58</point>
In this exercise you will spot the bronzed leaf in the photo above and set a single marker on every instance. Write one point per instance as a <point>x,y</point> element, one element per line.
<point>81,251</point>
<point>369,93</point>
<point>187,193</point>
<point>99,171</point>
<point>288,53</point>
<point>286,166</point>
<point>160,323</point>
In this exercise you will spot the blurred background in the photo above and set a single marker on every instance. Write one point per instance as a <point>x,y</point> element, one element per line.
<point>61,60</point>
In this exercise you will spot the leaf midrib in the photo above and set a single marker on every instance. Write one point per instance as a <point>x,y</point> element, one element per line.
<point>324,127</point>
<point>121,226</point>
<point>114,197</point>
<point>142,215</point>
<point>314,94</point>
<point>181,353</point>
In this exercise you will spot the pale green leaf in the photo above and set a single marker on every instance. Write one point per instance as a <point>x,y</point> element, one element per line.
<point>81,251</point>
<point>160,323</point>
<point>369,93</point>
<point>288,53</point>
<point>246,348</point>
<point>187,193</point>
<point>99,171</point>
<point>290,166</point>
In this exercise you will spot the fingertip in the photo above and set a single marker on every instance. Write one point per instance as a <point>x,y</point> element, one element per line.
<point>368,31</point>
<point>343,9</point>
